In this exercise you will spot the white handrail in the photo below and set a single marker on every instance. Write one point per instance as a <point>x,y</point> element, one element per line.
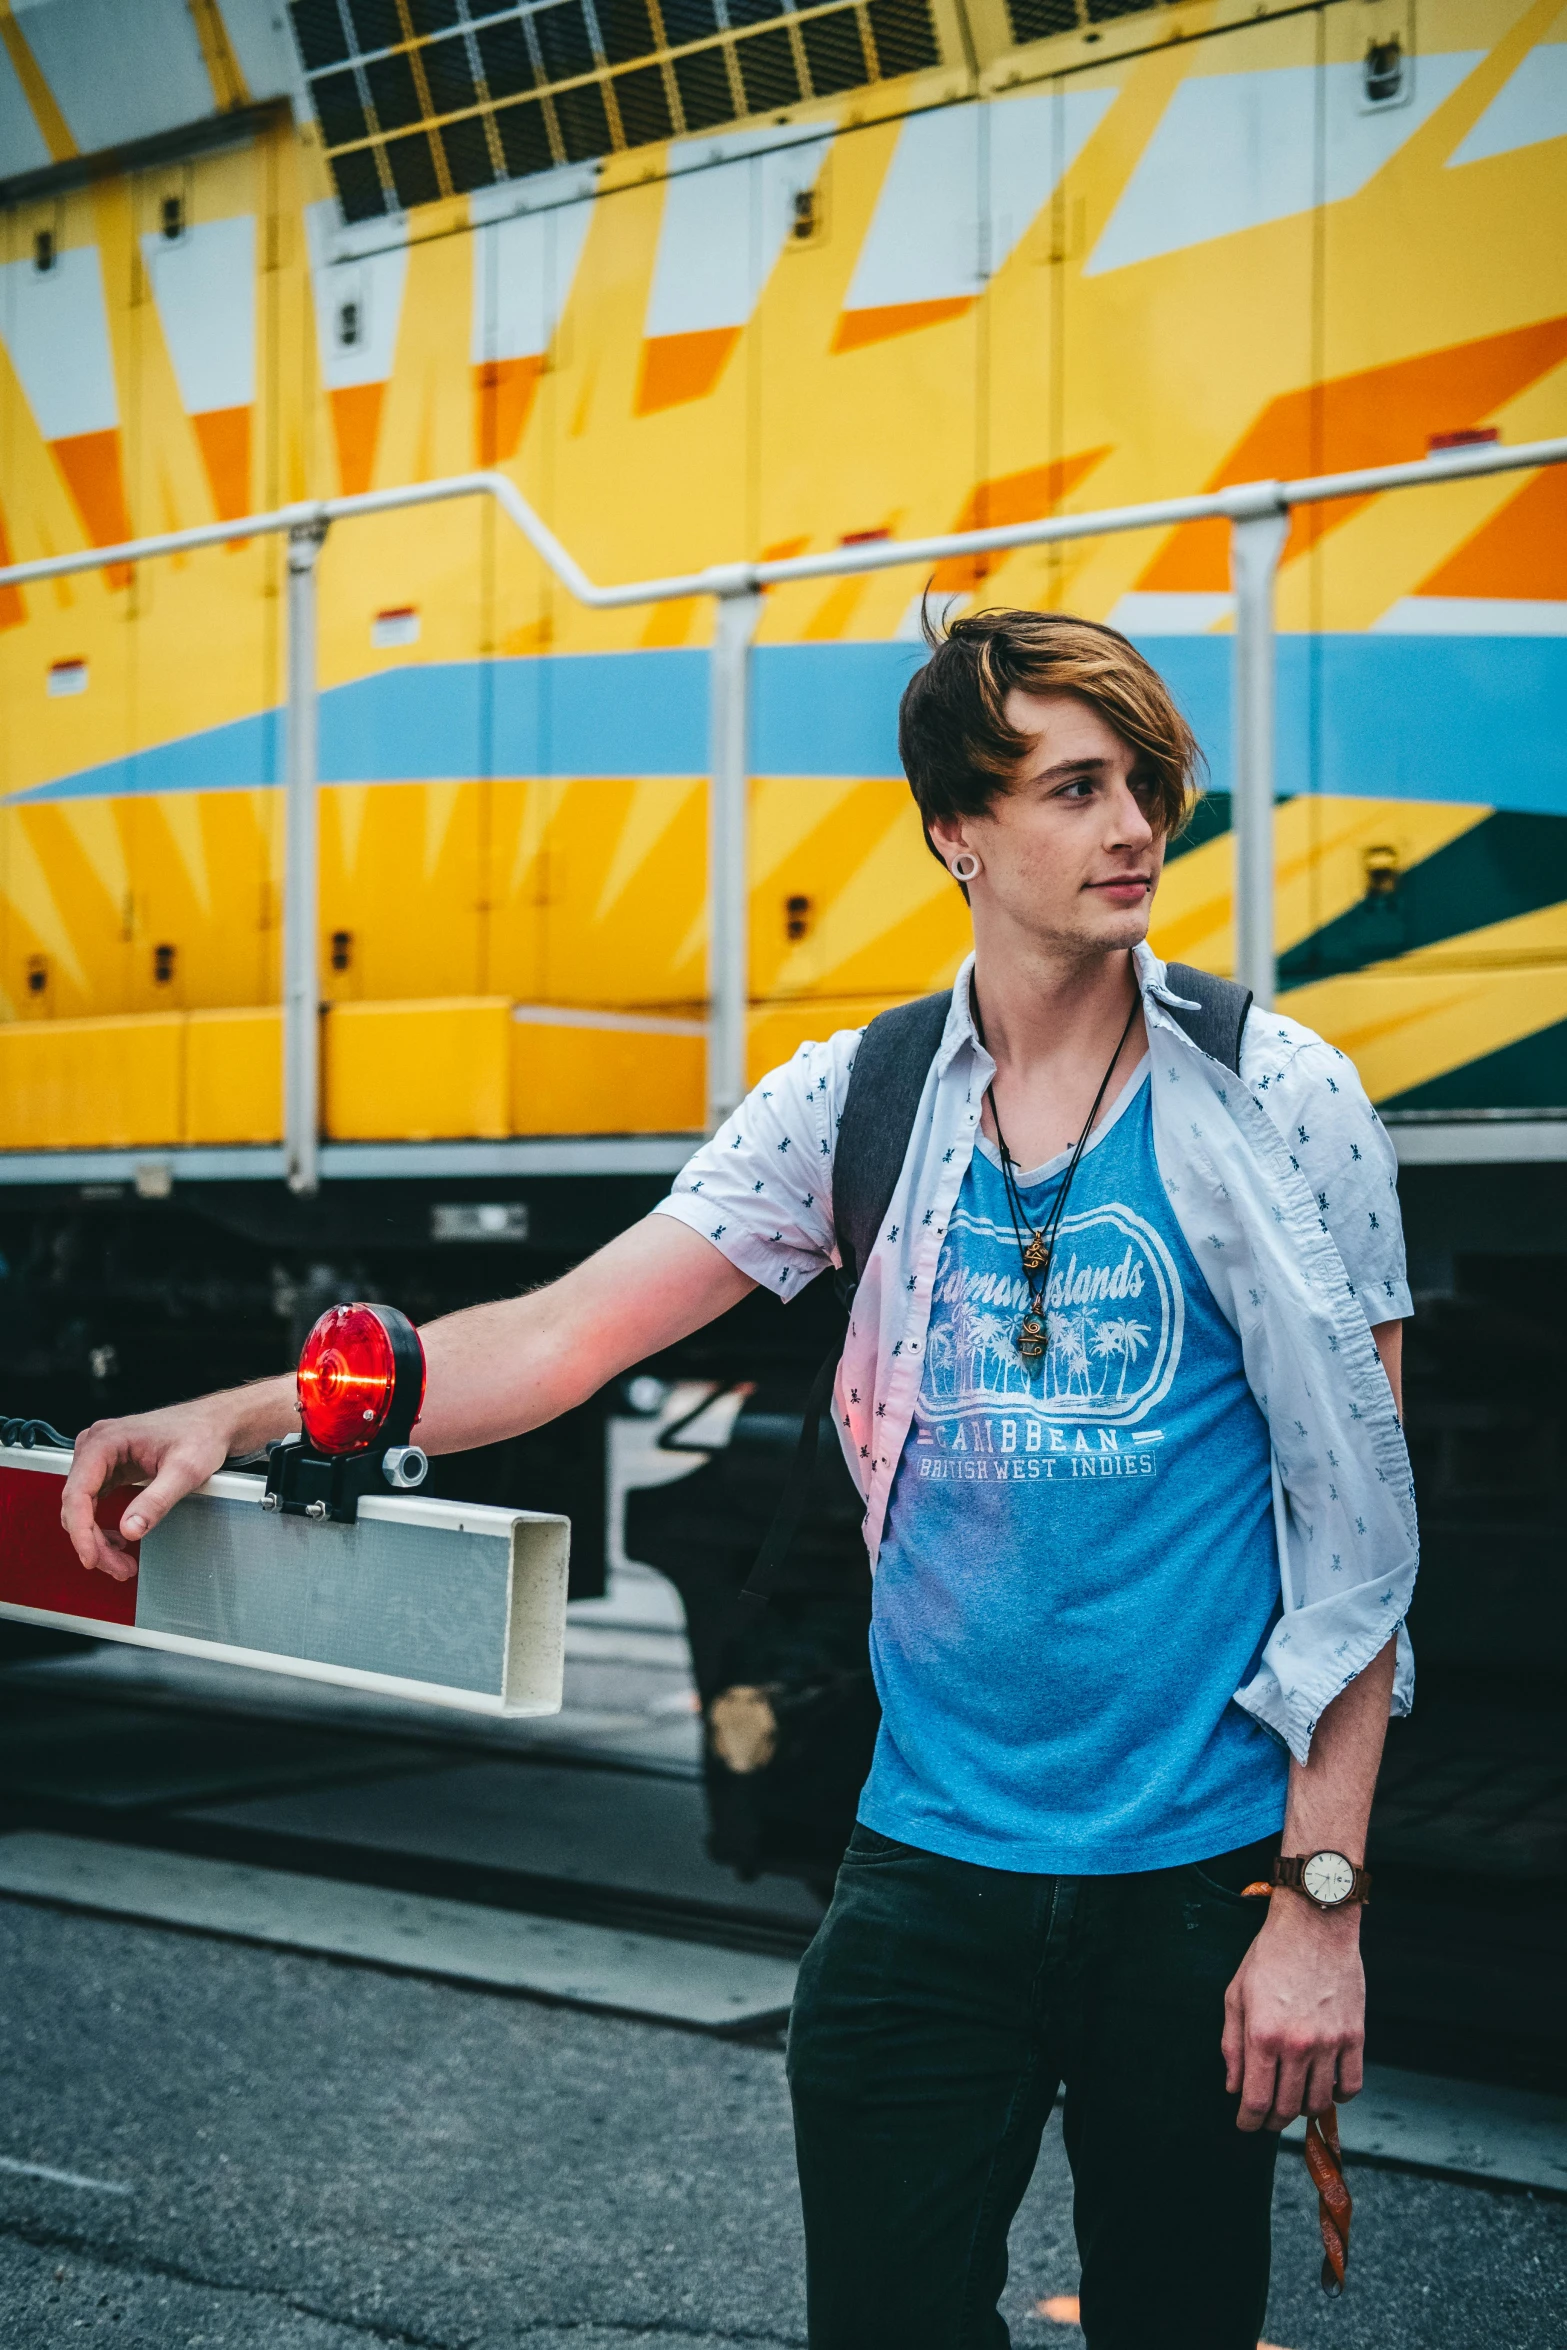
<point>1255,512</point>
<point>1237,504</point>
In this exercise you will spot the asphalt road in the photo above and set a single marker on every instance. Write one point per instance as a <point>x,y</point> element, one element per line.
<point>318,2156</point>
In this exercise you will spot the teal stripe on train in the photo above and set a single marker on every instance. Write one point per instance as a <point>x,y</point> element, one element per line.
<point>1474,719</point>
<point>1505,866</point>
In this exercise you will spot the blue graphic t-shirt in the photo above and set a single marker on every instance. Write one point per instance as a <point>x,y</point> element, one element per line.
<point>1079,1568</point>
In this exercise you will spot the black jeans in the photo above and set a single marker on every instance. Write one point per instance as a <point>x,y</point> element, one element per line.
<point>939,2009</point>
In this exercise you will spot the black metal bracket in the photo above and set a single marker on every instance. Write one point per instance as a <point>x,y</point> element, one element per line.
<point>306,1483</point>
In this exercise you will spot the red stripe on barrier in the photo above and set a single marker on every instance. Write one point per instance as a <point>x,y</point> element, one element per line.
<point>38,1567</point>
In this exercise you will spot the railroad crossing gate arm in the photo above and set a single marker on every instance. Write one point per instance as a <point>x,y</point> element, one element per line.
<point>444,1602</point>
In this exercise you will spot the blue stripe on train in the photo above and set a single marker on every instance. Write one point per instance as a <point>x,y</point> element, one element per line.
<point>1476,719</point>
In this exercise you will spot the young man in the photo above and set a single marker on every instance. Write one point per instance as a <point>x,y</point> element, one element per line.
<point>1140,1510</point>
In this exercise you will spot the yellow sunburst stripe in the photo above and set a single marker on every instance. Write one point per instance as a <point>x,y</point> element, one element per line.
<point>896,878</point>
<point>183,816</point>
<point>53,904</point>
<point>1320,845</point>
<point>1402,1029</point>
<point>1523,940</point>
<point>96,832</point>
<point>575,891</point>
<point>217,55</point>
<point>789,812</point>
<point>42,103</point>
<point>656,805</point>
<point>1424,1014</point>
<point>34,903</point>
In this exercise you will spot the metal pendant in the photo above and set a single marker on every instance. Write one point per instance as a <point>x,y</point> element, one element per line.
<point>1032,1337</point>
<point>1036,1256</point>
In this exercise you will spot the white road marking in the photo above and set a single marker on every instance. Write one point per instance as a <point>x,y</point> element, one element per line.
<point>62,2178</point>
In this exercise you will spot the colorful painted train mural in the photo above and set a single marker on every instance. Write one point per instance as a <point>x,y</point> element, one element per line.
<point>1144,253</point>
<point>717,280</point>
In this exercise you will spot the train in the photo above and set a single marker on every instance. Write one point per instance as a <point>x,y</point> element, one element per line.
<point>721,281</point>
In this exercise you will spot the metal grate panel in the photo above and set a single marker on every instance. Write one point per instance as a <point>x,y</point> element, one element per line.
<point>419,99</point>
<point>1036,20</point>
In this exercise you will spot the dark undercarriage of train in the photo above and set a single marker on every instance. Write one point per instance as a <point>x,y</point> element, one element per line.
<point>110,1302</point>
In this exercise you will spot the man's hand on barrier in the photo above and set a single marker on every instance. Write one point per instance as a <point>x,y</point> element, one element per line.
<point>1295,2015</point>
<point>168,1454</point>
<point>494,1371</point>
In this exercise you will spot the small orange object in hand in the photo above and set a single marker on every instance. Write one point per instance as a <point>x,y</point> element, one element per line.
<point>1325,2161</point>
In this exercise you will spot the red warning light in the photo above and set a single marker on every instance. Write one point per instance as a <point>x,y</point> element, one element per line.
<point>348,1377</point>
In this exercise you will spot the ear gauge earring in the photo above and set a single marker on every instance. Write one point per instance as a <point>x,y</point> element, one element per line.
<point>965,858</point>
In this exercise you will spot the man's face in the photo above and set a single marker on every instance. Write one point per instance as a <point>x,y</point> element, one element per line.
<point>1067,853</point>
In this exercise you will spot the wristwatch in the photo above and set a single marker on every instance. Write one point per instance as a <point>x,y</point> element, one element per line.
<point>1328,1879</point>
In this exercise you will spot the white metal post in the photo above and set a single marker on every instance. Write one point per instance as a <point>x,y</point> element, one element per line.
<point>301,888</point>
<point>728,850</point>
<point>1258,529</point>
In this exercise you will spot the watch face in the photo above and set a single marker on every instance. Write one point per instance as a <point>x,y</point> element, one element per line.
<point>1328,1878</point>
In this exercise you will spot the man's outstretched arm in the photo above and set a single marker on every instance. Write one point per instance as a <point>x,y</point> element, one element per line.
<point>494,1371</point>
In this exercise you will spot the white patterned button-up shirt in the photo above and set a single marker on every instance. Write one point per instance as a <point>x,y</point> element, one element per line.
<point>1284,1183</point>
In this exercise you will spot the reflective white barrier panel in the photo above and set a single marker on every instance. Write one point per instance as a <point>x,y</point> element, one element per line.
<point>451,1603</point>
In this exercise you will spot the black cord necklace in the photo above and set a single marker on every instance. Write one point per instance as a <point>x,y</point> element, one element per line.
<point>1036,1248</point>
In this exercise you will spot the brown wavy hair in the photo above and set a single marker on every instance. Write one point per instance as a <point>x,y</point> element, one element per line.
<point>958,751</point>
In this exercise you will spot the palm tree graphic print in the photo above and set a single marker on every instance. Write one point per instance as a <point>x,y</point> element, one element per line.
<point>1123,1339</point>
<point>1116,1316</point>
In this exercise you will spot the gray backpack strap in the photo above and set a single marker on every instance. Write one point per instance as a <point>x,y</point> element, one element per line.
<point>891,1064</point>
<point>1217,1025</point>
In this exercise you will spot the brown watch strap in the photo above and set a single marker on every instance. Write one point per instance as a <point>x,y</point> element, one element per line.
<point>1289,1870</point>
